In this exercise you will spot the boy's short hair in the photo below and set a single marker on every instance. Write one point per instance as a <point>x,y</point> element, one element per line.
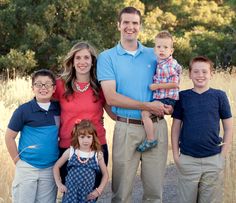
<point>44,72</point>
<point>130,10</point>
<point>164,34</point>
<point>201,59</point>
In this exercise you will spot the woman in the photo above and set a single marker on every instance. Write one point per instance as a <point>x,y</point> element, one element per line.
<point>80,97</point>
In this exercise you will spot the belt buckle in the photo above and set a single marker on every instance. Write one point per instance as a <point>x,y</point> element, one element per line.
<point>127,120</point>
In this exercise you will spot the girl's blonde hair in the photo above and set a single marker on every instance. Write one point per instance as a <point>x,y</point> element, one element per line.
<point>85,127</point>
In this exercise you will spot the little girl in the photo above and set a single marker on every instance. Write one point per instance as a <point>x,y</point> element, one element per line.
<point>84,160</point>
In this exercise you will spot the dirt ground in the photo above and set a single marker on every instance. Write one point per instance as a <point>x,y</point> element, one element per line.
<point>169,190</point>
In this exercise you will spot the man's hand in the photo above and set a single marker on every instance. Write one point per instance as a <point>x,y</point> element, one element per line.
<point>156,108</point>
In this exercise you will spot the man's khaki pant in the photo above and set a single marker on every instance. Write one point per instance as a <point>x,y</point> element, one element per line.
<point>200,179</point>
<point>126,161</point>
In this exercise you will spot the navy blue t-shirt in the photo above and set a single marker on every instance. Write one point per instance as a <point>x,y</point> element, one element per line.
<point>200,115</point>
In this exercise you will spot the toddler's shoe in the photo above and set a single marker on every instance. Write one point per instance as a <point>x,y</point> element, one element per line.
<point>146,145</point>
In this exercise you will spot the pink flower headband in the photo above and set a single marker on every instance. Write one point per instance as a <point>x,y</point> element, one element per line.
<point>77,121</point>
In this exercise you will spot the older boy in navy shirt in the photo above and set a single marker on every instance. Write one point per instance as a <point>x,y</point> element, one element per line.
<point>38,122</point>
<point>198,150</point>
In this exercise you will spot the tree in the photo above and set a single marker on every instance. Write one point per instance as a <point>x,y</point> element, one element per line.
<point>48,28</point>
<point>21,62</point>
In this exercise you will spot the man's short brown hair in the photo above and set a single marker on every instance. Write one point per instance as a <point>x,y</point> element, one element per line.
<point>130,10</point>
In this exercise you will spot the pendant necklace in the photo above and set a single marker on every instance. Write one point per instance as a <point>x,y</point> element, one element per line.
<point>81,90</point>
<point>83,161</point>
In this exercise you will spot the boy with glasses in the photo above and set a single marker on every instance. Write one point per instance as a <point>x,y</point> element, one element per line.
<point>38,122</point>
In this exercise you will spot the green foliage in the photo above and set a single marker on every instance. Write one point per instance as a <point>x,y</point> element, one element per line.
<point>199,28</point>
<point>135,3</point>
<point>155,21</point>
<point>23,63</point>
<point>35,34</point>
<point>46,29</point>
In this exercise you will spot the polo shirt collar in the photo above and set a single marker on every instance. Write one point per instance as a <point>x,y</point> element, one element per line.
<point>122,51</point>
<point>36,107</point>
<point>165,61</point>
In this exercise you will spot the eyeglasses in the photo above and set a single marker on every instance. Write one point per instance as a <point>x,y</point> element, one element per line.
<point>46,85</point>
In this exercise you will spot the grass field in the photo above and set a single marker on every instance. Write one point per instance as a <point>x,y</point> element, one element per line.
<point>13,93</point>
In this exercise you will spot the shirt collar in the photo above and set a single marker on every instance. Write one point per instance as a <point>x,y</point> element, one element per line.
<point>36,107</point>
<point>165,61</point>
<point>122,51</point>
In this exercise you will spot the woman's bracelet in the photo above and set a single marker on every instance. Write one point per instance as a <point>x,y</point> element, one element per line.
<point>98,191</point>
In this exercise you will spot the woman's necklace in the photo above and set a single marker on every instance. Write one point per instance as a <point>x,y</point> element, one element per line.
<point>83,161</point>
<point>81,90</point>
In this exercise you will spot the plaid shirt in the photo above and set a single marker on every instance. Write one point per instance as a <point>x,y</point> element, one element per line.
<point>167,71</point>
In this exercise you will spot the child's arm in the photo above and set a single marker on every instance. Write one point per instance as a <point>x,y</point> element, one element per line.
<point>98,191</point>
<point>10,137</point>
<point>156,86</point>
<point>104,171</point>
<point>228,134</point>
<point>56,170</point>
<point>175,132</point>
<point>173,81</point>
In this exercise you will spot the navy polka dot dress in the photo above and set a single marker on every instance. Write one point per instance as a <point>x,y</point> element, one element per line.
<point>80,179</point>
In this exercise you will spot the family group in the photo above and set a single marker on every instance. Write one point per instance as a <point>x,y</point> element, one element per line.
<point>62,143</point>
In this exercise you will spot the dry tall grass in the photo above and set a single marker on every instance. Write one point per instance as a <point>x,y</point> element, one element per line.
<point>15,92</point>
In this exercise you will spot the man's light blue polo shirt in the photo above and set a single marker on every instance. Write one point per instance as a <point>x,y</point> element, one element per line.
<point>133,74</point>
<point>38,143</point>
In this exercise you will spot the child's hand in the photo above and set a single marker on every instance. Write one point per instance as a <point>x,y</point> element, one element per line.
<point>93,195</point>
<point>168,109</point>
<point>16,160</point>
<point>153,86</point>
<point>62,188</point>
<point>176,159</point>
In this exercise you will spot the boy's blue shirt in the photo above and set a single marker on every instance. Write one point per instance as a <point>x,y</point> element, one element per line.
<point>200,115</point>
<point>38,143</point>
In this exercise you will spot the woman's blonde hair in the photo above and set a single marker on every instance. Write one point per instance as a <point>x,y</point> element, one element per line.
<point>69,74</point>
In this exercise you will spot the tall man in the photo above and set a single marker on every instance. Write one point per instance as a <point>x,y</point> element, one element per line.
<point>125,72</point>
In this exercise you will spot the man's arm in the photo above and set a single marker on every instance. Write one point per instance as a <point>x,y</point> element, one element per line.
<point>228,135</point>
<point>10,137</point>
<point>115,99</point>
<point>109,112</point>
